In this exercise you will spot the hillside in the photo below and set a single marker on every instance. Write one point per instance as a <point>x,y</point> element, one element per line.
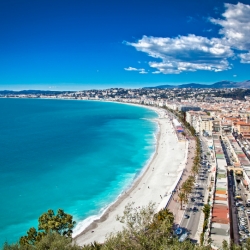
<point>217,85</point>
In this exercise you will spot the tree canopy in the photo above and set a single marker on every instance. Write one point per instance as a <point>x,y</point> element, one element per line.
<point>143,230</point>
<point>60,223</point>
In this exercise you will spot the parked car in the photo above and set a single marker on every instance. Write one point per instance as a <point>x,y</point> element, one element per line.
<point>243,223</point>
<point>243,219</point>
<point>186,216</point>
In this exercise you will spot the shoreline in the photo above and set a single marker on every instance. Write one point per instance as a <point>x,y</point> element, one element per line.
<point>158,191</point>
<point>116,203</point>
<point>103,215</point>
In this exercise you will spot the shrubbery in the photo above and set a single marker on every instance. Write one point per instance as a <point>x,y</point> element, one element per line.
<point>143,229</point>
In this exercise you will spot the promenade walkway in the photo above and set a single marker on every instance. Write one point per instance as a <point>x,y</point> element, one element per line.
<point>173,205</point>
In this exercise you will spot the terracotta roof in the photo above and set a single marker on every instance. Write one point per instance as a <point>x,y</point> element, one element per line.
<point>242,123</point>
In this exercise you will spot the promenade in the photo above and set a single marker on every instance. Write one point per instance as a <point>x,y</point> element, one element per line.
<point>174,205</point>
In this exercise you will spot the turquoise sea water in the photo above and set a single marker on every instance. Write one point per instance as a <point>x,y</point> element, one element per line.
<point>74,155</point>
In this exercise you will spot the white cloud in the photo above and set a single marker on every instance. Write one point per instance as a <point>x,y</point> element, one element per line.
<point>236,28</point>
<point>235,25</point>
<point>131,69</point>
<point>141,71</point>
<point>185,53</point>
<point>192,53</point>
<point>245,58</point>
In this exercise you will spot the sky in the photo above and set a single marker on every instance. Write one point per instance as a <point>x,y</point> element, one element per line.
<point>97,44</point>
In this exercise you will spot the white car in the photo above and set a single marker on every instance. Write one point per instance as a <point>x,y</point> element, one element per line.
<point>243,220</point>
<point>243,223</point>
<point>196,184</point>
<point>248,211</point>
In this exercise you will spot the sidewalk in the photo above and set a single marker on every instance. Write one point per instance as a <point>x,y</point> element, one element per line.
<point>174,206</point>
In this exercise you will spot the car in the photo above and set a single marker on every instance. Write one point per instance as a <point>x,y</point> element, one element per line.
<point>242,240</point>
<point>243,220</point>
<point>243,223</point>
<point>192,199</point>
<point>248,211</point>
<point>241,214</point>
<point>241,233</point>
<point>186,216</point>
<point>247,205</point>
<point>196,185</point>
<point>243,226</point>
<point>195,209</point>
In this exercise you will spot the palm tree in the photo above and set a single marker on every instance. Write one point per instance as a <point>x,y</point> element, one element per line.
<point>182,198</point>
<point>165,214</point>
<point>187,188</point>
<point>195,170</point>
<point>191,179</point>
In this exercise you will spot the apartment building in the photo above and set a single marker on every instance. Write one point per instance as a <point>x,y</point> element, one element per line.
<point>242,128</point>
<point>205,124</point>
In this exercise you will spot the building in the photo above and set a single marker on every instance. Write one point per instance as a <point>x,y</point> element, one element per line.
<point>205,124</point>
<point>216,125</point>
<point>242,128</point>
<point>185,108</point>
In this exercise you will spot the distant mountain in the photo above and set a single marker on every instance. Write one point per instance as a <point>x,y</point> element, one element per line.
<point>217,85</point>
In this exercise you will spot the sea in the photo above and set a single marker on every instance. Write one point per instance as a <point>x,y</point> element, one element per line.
<point>75,155</point>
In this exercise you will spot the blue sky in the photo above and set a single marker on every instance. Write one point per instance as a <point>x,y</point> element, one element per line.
<point>84,44</point>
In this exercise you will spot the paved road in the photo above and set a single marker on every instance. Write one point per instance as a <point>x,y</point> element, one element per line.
<point>234,232</point>
<point>192,223</point>
<point>227,153</point>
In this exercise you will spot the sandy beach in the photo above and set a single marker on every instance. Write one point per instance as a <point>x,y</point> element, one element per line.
<point>155,184</point>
